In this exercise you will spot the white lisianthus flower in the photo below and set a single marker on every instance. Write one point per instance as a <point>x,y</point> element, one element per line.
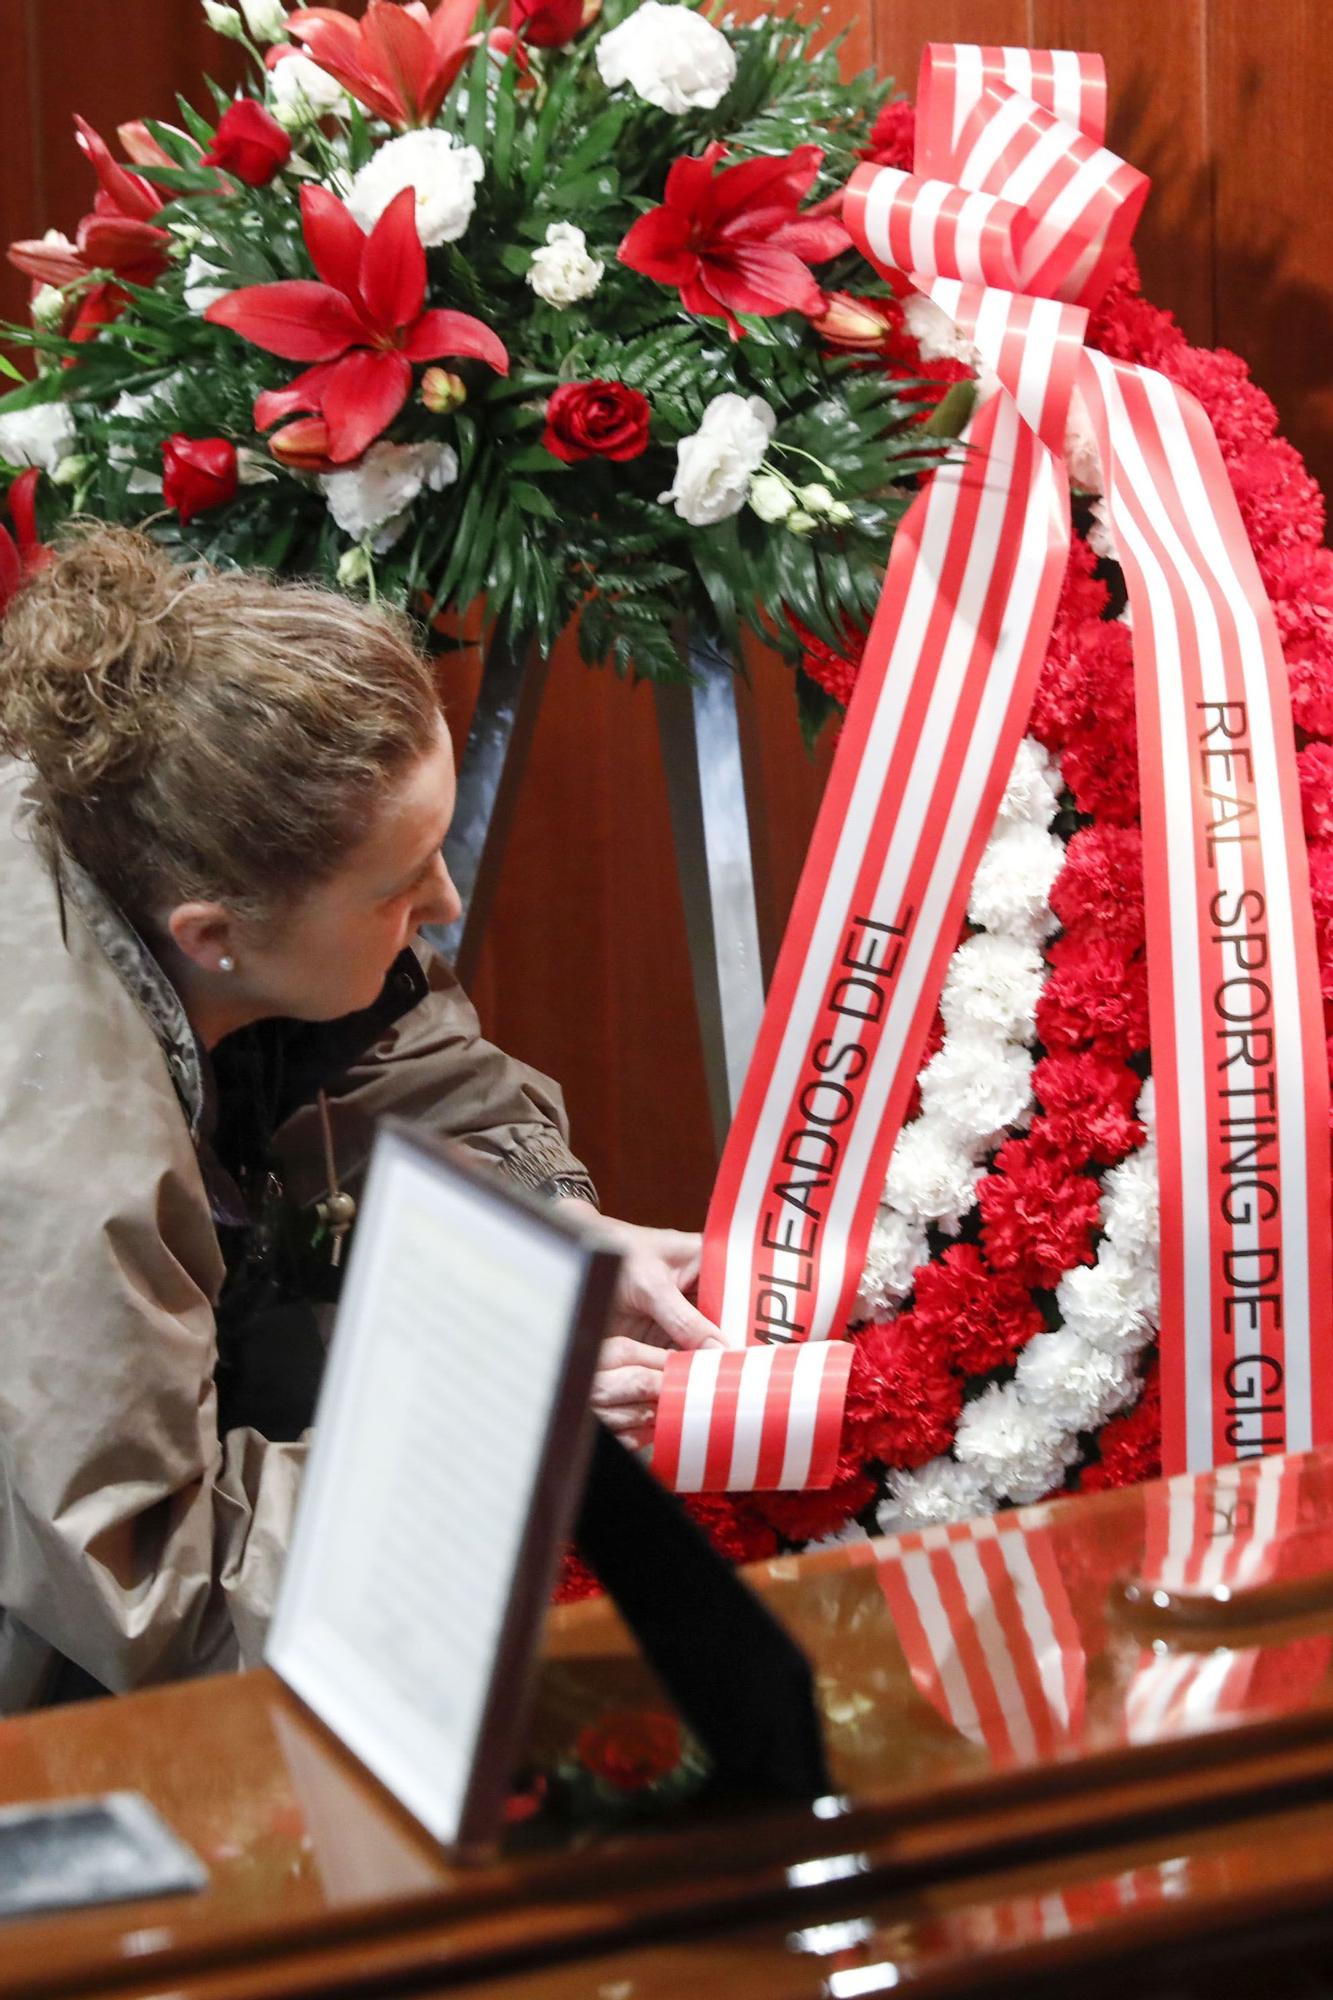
<point>224,20</point>
<point>370,501</point>
<point>562,272</point>
<point>266,19</point>
<point>715,463</point>
<point>992,987</point>
<point>931,1178</point>
<point>976,1088</point>
<point>1011,889</point>
<point>1010,1446</point>
<point>896,1248</point>
<point>42,435</point>
<point>771,497</point>
<point>670,56</point>
<point>443,174</point>
<point>301,93</point>
<point>938,1492</point>
<point>1032,789</point>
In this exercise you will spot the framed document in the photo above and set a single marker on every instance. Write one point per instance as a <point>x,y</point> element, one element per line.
<point>449,1455</point>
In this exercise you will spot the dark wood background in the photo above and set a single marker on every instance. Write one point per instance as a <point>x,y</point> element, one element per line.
<point>1224,102</point>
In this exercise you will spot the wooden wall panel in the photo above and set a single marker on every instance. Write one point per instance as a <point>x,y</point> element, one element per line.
<point>1270,83</point>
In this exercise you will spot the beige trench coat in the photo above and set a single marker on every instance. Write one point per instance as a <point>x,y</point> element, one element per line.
<point>133,1541</point>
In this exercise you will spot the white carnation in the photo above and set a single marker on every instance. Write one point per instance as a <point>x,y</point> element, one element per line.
<point>896,1248</point>
<point>371,499</point>
<point>42,435</point>
<point>1032,791</point>
<point>936,334</point>
<point>301,93</point>
<point>1012,886</point>
<point>562,272</point>
<point>1147,1106</point>
<point>443,174</point>
<point>1011,1448</point>
<point>935,1493</point>
<point>850,1535</point>
<point>1081,453</point>
<point>1105,1303</point>
<point>992,987</point>
<point>931,1179</point>
<point>1074,1385</point>
<point>670,56</point>
<point>977,1088</point>
<point>714,464</point>
<point>1130,1202</point>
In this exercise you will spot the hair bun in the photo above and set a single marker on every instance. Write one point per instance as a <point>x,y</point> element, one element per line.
<point>89,652</point>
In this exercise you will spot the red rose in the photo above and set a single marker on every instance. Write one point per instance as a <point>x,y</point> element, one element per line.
<point>198,473</point>
<point>547,24</point>
<point>596,420</point>
<point>249,144</point>
<point>631,1748</point>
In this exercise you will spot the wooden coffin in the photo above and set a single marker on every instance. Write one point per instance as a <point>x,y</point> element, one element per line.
<point>1091,1741</point>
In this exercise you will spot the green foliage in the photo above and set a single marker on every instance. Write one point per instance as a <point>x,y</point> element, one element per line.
<point>543,541</point>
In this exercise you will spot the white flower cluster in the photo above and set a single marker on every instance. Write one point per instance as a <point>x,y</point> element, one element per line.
<point>370,501</point>
<point>1017,1440</point>
<point>670,56</point>
<point>979,1084</point>
<point>42,435</point>
<point>301,93</point>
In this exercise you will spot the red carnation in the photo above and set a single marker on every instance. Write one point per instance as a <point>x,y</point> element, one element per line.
<point>1131,1446</point>
<point>734,242</point>
<point>893,136</point>
<point>631,1748</point>
<point>547,24</point>
<point>985,1317</point>
<point>734,1527</point>
<point>1088,1102</point>
<point>1238,410</point>
<point>807,1517</point>
<point>1095,998</point>
<point>1280,504</point>
<point>1037,1218</point>
<point>1100,886</point>
<point>596,420</point>
<point>198,473</point>
<point>1099,763</point>
<point>249,143</point>
<point>1315,766</point>
<point>903,1399</point>
<point>574,1580</point>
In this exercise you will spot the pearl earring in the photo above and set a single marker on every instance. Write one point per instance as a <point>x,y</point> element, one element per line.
<point>227,964</point>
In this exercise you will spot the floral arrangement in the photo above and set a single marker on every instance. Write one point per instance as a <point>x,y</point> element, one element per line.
<point>553,313</point>
<point>561,313</point>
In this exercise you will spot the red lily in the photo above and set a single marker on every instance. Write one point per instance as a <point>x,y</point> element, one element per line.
<point>733,242</point>
<point>21,554</point>
<point>117,236</point>
<point>398,61</point>
<point>363,325</point>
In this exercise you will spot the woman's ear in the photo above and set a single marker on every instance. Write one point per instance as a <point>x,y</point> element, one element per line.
<point>205,934</point>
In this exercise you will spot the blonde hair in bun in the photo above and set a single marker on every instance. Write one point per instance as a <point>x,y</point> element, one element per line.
<point>204,734</point>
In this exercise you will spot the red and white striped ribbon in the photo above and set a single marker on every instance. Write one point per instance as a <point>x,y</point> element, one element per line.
<point>990,1640</point>
<point>1012,224</point>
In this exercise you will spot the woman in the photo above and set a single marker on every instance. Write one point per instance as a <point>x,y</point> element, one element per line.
<point>220,826</point>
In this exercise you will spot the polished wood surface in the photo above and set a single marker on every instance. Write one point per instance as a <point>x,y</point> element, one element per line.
<point>586,975</point>
<point>942,1852</point>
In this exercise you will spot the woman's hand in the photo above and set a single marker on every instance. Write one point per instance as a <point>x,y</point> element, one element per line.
<point>651,1314</point>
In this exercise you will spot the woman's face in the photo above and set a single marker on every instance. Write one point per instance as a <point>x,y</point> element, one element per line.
<point>331,954</point>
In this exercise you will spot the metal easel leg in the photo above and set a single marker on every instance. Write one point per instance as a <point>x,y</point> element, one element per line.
<point>701,751</point>
<point>489,778</point>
